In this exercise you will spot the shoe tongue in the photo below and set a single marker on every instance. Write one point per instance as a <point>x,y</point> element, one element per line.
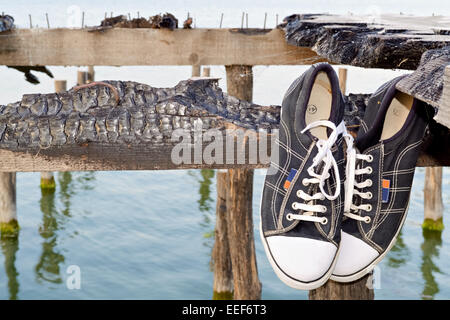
<point>336,114</point>
<point>375,114</point>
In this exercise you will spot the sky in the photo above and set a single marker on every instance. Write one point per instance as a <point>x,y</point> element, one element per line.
<point>207,13</point>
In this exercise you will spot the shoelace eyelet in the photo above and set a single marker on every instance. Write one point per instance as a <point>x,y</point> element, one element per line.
<point>294,206</point>
<point>369,169</point>
<point>369,182</point>
<point>305,183</point>
<point>369,207</point>
<point>367,219</point>
<point>370,159</point>
<point>324,209</point>
<point>370,195</point>
<point>324,221</point>
<point>289,217</point>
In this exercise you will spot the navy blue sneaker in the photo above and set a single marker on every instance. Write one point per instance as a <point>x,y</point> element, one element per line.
<point>302,202</point>
<point>379,175</point>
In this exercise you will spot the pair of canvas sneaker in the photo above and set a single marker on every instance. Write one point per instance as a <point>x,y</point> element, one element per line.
<point>332,206</point>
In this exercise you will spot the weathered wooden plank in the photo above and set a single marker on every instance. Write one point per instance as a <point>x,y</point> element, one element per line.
<point>427,82</point>
<point>443,115</point>
<point>124,46</point>
<point>130,126</point>
<point>382,41</point>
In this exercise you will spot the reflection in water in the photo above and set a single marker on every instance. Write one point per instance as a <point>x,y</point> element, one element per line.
<point>10,245</point>
<point>430,252</point>
<point>399,253</point>
<point>48,266</point>
<point>205,178</point>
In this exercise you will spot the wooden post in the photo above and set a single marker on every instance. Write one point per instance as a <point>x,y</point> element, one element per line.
<point>196,70</point>
<point>331,290</point>
<point>48,184</point>
<point>433,205</point>
<point>82,77</point>
<point>206,72</point>
<point>90,74</point>
<point>9,226</point>
<point>343,79</point>
<point>223,275</point>
<point>239,204</point>
<point>358,290</point>
<point>221,259</point>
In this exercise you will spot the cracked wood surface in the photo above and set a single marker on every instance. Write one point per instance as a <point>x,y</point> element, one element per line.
<point>382,41</point>
<point>87,129</point>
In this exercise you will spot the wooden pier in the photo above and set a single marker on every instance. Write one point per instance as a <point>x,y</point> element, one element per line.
<point>300,40</point>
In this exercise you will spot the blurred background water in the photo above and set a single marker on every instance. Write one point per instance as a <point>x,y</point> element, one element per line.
<point>149,234</point>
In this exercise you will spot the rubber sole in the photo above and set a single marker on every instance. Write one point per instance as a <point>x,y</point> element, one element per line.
<point>290,281</point>
<point>359,274</point>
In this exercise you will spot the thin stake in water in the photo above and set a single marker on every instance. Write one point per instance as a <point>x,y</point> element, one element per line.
<point>31,24</point>
<point>48,23</point>
<point>221,19</point>
<point>82,20</point>
<point>246,20</point>
<point>242,20</point>
<point>265,19</point>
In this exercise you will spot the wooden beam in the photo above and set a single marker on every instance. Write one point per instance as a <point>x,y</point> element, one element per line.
<point>443,114</point>
<point>124,46</point>
<point>91,132</point>
<point>382,41</point>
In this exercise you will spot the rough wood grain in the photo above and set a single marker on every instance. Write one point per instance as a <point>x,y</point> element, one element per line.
<point>239,204</point>
<point>357,290</point>
<point>432,196</point>
<point>443,114</point>
<point>427,82</point>
<point>63,47</point>
<point>221,259</point>
<point>383,41</point>
<point>84,130</point>
<point>240,235</point>
<point>8,211</point>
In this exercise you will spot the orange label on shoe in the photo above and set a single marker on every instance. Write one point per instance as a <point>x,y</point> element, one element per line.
<point>291,176</point>
<point>385,185</point>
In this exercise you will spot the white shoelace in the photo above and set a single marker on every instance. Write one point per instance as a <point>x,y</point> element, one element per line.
<point>351,186</point>
<point>325,155</point>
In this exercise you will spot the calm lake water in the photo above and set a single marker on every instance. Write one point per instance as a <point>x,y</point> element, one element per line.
<point>148,235</point>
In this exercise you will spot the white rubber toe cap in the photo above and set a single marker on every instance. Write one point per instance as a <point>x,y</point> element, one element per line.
<point>302,259</point>
<point>355,255</point>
